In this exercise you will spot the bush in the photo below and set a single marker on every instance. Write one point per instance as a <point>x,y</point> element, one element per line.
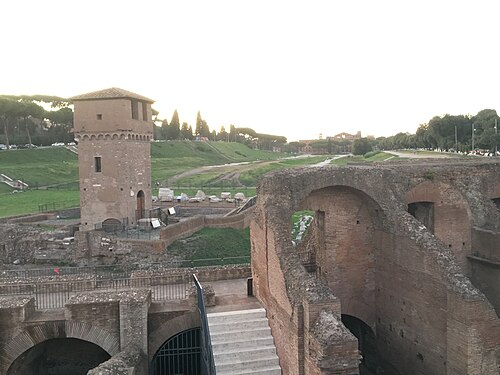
<point>370,154</point>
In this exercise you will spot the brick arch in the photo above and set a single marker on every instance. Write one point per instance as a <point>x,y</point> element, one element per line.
<point>87,332</point>
<point>170,328</point>
<point>347,221</point>
<point>35,335</point>
<point>452,216</point>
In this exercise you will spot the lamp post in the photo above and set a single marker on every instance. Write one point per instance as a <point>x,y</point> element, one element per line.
<point>496,142</point>
<point>473,130</point>
<point>456,140</point>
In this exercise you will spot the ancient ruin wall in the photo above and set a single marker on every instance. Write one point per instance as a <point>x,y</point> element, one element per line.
<point>416,277</point>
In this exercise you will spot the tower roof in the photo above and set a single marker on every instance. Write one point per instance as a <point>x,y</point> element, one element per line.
<point>111,93</point>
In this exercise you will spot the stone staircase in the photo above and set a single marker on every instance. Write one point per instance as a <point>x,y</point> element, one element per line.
<point>242,343</point>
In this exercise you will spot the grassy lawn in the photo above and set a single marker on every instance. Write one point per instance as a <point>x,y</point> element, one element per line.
<point>210,243</point>
<point>29,201</point>
<point>238,152</point>
<point>41,167</point>
<point>381,156</point>
<point>58,166</point>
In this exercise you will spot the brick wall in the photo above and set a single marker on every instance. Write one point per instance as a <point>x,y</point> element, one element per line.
<point>382,264</point>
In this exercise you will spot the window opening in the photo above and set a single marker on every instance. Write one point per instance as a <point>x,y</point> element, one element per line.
<point>97,163</point>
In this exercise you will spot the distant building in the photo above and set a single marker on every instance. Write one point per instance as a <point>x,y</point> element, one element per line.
<point>346,136</point>
<point>113,128</point>
<point>316,147</point>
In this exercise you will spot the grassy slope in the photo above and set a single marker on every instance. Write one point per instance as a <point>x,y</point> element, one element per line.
<point>57,165</point>
<point>51,166</point>
<point>250,177</point>
<point>40,167</point>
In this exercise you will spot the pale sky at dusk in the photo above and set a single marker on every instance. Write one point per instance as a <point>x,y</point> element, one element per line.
<point>293,68</point>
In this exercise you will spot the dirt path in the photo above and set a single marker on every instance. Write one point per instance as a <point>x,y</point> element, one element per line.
<point>416,155</point>
<point>232,172</point>
<point>228,171</point>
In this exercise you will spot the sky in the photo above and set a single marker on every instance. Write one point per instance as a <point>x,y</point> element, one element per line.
<point>292,68</point>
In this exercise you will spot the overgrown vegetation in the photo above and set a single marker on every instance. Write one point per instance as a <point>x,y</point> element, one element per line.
<point>300,223</point>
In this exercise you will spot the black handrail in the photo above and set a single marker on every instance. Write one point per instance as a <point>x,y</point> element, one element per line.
<point>207,356</point>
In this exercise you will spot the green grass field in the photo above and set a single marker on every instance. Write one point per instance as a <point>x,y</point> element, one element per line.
<point>40,167</point>
<point>346,160</point>
<point>212,243</point>
<point>58,168</point>
<point>30,200</point>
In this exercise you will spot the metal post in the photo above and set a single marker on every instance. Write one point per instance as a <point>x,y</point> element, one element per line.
<point>472,150</point>
<point>496,142</point>
<point>456,140</point>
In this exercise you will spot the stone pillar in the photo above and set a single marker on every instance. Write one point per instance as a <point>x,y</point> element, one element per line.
<point>14,311</point>
<point>134,320</point>
<point>329,347</point>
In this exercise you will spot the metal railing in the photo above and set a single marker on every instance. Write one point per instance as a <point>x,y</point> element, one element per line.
<point>120,271</point>
<point>207,357</point>
<point>54,295</point>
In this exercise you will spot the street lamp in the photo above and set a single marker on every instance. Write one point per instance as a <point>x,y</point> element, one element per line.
<point>473,130</point>
<point>496,142</point>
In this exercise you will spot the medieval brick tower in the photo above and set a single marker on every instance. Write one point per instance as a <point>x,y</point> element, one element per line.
<point>113,128</point>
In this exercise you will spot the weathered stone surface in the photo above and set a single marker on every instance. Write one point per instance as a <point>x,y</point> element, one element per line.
<point>372,260</point>
<point>131,360</point>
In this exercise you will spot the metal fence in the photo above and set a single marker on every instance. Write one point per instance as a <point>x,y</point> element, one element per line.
<point>54,295</point>
<point>55,206</point>
<point>120,271</point>
<point>207,357</point>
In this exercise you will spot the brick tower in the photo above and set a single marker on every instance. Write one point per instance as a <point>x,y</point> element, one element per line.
<point>113,128</point>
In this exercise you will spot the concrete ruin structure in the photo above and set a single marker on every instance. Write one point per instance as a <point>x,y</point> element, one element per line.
<point>113,128</point>
<point>399,272</point>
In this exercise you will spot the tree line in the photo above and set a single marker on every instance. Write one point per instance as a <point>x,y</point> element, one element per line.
<point>173,130</point>
<point>460,133</point>
<point>45,119</point>
<point>455,133</point>
<point>23,119</point>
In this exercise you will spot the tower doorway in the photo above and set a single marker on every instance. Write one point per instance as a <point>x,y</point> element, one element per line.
<point>141,204</point>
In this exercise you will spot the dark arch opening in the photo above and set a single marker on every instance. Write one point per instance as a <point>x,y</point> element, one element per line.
<point>111,225</point>
<point>367,344</point>
<point>497,202</point>
<point>423,212</point>
<point>61,356</point>
<point>141,205</point>
<point>181,354</point>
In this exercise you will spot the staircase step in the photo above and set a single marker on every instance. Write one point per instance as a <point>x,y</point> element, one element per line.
<point>255,364</point>
<point>272,370</point>
<point>236,316</point>
<point>238,326</point>
<point>242,343</point>
<point>250,334</point>
<point>239,343</point>
<point>244,355</point>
